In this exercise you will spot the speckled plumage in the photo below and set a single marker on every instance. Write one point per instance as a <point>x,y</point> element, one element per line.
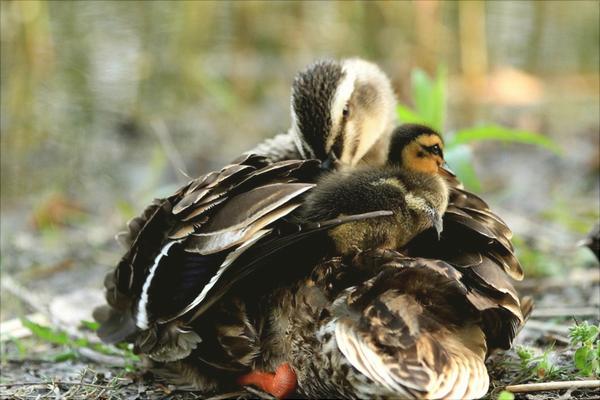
<point>161,295</point>
<point>407,311</point>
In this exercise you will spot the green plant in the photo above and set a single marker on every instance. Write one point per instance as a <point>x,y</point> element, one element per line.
<point>70,345</point>
<point>525,355</point>
<point>429,96</point>
<point>506,395</point>
<point>535,262</point>
<point>540,367</point>
<point>587,356</point>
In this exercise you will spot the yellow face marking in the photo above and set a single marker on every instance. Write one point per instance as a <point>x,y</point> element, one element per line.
<point>415,157</point>
<point>430,140</point>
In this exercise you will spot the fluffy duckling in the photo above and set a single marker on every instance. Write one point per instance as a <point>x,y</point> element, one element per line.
<point>341,111</point>
<point>412,186</point>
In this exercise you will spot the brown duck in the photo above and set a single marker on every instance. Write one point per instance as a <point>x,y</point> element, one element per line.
<point>185,252</point>
<point>397,319</point>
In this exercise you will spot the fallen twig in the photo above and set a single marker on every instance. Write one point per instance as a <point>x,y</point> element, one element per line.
<point>540,387</point>
<point>547,327</point>
<point>56,383</point>
<point>100,358</point>
<point>582,278</point>
<point>566,312</point>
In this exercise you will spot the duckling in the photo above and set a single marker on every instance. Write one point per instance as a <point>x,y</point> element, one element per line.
<point>474,236</point>
<point>412,186</point>
<point>417,199</point>
<point>341,111</point>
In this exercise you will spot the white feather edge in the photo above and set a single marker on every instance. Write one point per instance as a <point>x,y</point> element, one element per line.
<point>141,318</point>
<point>142,311</point>
<point>301,188</point>
<point>462,369</point>
<point>231,257</point>
<point>365,360</point>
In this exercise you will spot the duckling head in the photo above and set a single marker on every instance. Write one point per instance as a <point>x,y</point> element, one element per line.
<point>417,148</point>
<point>343,112</point>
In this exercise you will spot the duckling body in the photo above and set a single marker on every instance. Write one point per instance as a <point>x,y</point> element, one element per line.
<point>418,200</point>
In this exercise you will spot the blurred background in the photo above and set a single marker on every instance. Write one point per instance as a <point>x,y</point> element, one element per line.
<point>103,102</point>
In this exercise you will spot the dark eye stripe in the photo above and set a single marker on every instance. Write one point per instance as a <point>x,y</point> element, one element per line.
<point>338,146</point>
<point>435,149</point>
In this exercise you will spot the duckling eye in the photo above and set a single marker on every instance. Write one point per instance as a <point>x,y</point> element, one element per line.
<point>435,149</point>
<point>346,111</point>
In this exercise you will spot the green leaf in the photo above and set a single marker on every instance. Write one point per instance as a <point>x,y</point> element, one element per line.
<point>421,87</point>
<point>438,110</point>
<point>45,333</point>
<point>408,116</point>
<point>460,160</point>
<point>90,325</point>
<point>506,395</point>
<point>430,97</point>
<point>65,356</point>
<point>496,132</point>
<point>581,358</point>
<point>524,353</point>
<point>583,333</point>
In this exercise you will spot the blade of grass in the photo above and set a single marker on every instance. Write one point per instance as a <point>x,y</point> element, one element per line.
<point>408,116</point>
<point>430,97</point>
<point>421,86</point>
<point>438,97</point>
<point>496,132</point>
<point>460,160</point>
<point>45,333</point>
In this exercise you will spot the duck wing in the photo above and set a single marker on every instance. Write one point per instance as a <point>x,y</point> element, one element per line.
<point>477,242</point>
<point>417,328</point>
<point>178,244</point>
<point>188,250</point>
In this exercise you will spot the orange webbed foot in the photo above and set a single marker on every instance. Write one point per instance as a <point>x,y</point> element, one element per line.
<point>281,384</point>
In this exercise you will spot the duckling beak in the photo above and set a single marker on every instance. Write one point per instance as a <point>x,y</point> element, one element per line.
<point>436,221</point>
<point>446,171</point>
<point>438,224</point>
<point>331,162</point>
